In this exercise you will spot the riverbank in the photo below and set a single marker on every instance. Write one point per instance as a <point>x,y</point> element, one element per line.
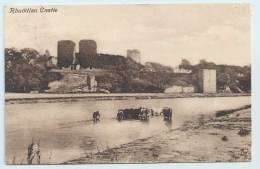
<point>222,137</point>
<point>26,98</point>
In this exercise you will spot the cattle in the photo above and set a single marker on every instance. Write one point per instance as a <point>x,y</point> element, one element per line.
<point>96,116</point>
<point>131,113</point>
<point>120,115</point>
<point>167,113</point>
<point>144,114</point>
<point>136,114</point>
<point>156,111</point>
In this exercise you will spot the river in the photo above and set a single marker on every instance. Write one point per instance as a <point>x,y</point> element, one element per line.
<point>66,130</point>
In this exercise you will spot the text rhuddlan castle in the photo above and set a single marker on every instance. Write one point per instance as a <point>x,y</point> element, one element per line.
<point>33,10</point>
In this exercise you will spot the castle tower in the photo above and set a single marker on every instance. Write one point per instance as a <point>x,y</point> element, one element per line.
<point>87,52</point>
<point>66,53</point>
<point>134,54</point>
<point>207,80</point>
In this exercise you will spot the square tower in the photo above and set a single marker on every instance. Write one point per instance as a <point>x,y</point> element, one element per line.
<point>134,54</point>
<point>207,80</point>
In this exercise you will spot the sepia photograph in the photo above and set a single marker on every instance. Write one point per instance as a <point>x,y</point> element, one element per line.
<point>127,83</point>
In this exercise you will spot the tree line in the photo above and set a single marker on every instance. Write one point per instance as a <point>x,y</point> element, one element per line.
<point>237,78</point>
<point>130,76</point>
<point>27,70</point>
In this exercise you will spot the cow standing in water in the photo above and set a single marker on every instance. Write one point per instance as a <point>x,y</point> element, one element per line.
<point>96,116</point>
<point>167,113</point>
<point>136,114</point>
<point>120,115</point>
<point>144,113</point>
<point>156,111</point>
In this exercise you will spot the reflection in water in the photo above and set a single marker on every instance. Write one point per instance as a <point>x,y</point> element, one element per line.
<point>145,121</point>
<point>167,120</point>
<point>168,123</point>
<point>67,129</point>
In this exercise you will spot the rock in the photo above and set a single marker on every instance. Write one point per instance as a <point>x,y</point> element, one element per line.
<point>224,138</point>
<point>243,132</point>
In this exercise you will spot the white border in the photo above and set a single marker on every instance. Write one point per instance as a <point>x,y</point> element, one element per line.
<point>255,11</point>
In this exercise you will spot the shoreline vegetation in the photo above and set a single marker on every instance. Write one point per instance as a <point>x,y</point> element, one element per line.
<point>20,98</point>
<point>211,138</point>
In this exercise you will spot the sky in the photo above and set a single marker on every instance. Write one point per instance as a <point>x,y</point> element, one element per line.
<point>165,34</point>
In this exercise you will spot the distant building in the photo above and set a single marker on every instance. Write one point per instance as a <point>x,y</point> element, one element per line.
<point>66,53</point>
<point>173,89</point>
<point>179,89</point>
<point>184,71</point>
<point>188,89</point>
<point>134,54</point>
<point>207,80</point>
<point>180,86</point>
<point>240,74</point>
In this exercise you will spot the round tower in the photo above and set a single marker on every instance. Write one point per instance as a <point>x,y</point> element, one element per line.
<point>87,53</point>
<point>66,53</point>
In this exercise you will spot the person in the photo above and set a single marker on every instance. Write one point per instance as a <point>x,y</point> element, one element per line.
<point>34,154</point>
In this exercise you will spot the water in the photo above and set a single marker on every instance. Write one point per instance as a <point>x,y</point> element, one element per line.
<point>66,130</point>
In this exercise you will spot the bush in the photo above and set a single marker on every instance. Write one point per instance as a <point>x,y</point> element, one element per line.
<point>224,138</point>
<point>243,132</point>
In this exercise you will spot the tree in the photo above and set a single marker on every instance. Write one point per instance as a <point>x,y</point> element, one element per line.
<point>203,64</point>
<point>245,79</point>
<point>185,64</point>
<point>223,79</point>
<point>25,70</point>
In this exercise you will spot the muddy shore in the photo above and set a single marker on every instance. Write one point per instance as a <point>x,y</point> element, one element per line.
<point>222,137</point>
<point>18,98</point>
